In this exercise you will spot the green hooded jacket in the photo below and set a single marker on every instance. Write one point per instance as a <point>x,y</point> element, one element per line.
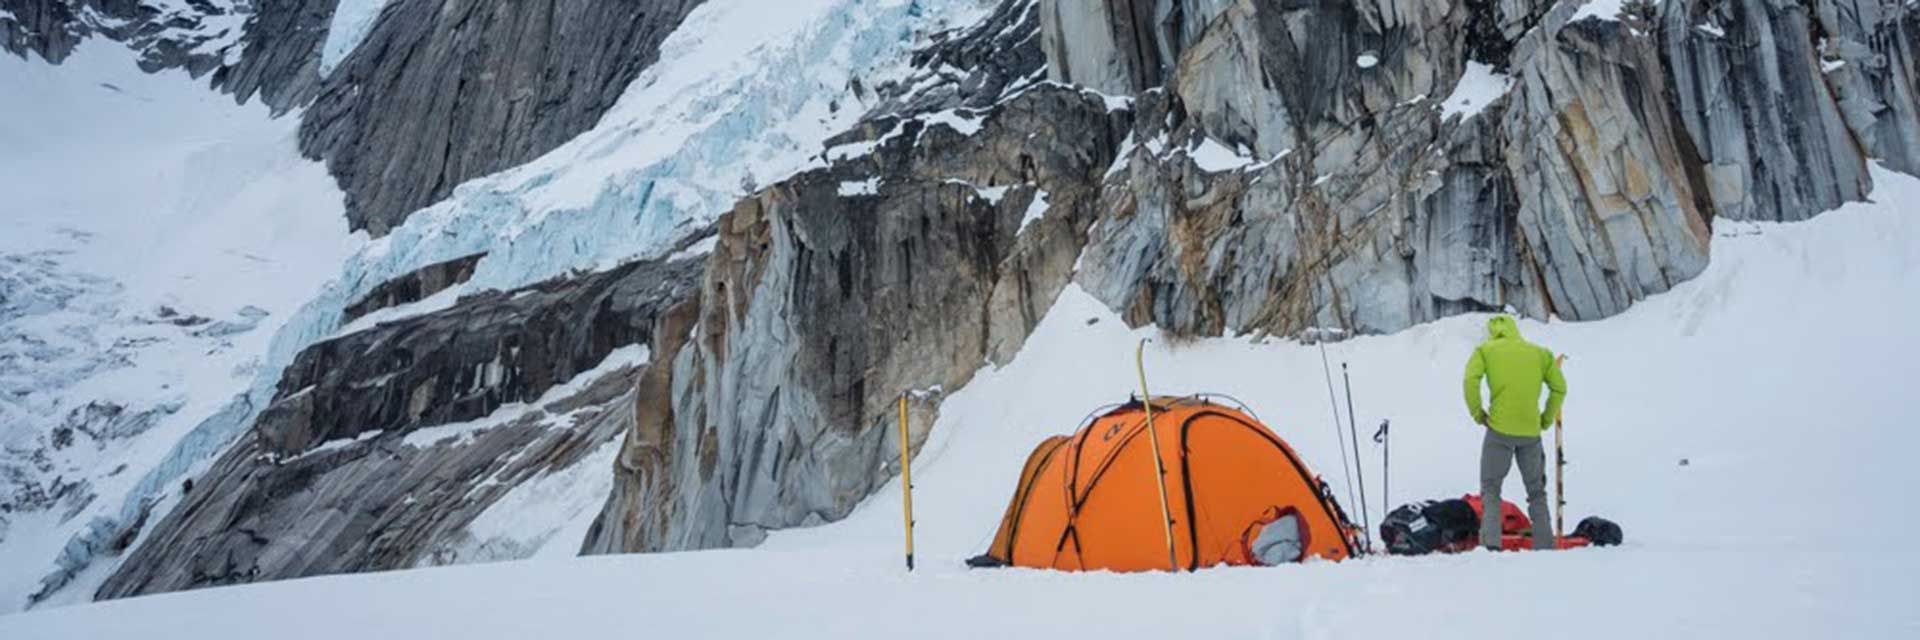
<point>1514,370</point>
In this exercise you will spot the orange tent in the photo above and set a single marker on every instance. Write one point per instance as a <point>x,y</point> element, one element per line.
<point>1088,501</point>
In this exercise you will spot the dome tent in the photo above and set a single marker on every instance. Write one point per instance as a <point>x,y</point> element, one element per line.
<point>1237,495</point>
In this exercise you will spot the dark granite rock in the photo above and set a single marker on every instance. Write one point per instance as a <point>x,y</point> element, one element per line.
<point>414,286</point>
<point>368,504</point>
<point>443,92</point>
<point>331,478</point>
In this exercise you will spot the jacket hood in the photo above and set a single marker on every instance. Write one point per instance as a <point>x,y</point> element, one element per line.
<point>1502,327</point>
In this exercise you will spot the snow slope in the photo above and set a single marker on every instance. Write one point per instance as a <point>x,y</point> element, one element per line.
<point>157,236</point>
<point>1778,375</point>
<point>744,91</point>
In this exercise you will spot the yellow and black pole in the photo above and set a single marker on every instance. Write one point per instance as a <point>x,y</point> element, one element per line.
<point>906,479</point>
<point>1559,467</point>
<point>1159,467</point>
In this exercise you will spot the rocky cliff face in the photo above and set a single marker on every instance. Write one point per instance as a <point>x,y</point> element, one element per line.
<point>383,444</point>
<point>1368,165</point>
<point>442,92</point>
<point>1209,166</point>
<point>436,94</point>
<point>1353,195</point>
<point>931,242</point>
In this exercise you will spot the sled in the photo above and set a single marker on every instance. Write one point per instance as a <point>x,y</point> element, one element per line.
<point>1453,526</point>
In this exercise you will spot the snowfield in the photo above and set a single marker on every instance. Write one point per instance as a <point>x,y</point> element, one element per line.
<point>157,237</point>
<point>1749,430</point>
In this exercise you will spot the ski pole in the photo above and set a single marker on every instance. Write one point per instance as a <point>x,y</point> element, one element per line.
<point>1159,468</point>
<point>1559,466</point>
<point>1353,433</point>
<point>1384,438</point>
<point>906,480</point>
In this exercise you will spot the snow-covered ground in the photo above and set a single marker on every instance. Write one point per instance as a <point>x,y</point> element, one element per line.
<point>1749,430</point>
<point>156,237</point>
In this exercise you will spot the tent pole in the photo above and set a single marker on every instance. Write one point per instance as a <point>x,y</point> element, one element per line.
<point>1339,441</point>
<point>1159,467</point>
<point>1353,433</point>
<point>906,480</point>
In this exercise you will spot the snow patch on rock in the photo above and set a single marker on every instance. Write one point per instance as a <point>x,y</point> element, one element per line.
<point>352,21</point>
<point>546,516</point>
<point>1036,210</point>
<point>627,356</point>
<point>1479,86</point>
<point>867,187</point>
<point>1213,157</point>
<point>1608,10</point>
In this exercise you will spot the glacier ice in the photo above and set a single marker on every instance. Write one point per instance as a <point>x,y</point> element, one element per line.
<point>743,92</point>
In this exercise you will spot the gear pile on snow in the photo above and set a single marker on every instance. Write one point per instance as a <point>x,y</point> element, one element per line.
<point>1452,526</point>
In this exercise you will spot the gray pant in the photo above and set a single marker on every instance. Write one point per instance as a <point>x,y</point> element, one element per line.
<point>1498,453</point>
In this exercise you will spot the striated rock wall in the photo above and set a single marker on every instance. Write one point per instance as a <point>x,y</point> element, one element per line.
<point>414,286</point>
<point>831,293</point>
<point>387,500</point>
<point>43,27</point>
<point>1275,166</point>
<point>1355,195</point>
<point>383,444</point>
<point>443,92</point>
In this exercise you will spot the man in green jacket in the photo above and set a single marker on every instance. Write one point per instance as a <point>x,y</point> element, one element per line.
<point>1514,370</point>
